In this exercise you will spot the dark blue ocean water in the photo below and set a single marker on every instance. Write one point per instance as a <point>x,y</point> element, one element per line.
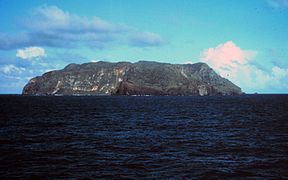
<point>144,137</point>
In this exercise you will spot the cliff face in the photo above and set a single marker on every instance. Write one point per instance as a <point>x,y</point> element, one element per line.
<point>124,78</point>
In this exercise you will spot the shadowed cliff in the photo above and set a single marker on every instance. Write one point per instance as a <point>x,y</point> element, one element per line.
<point>125,78</point>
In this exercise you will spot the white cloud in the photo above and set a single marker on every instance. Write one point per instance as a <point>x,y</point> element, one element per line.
<point>188,62</point>
<point>31,53</point>
<point>10,68</point>
<point>234,63</point>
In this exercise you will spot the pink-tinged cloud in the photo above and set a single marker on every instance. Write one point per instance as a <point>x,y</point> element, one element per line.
<point>233,63</point>
<point>226,56</point>
<point>230,61</point>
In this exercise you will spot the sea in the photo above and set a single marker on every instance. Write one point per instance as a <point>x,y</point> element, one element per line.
<point>125,137</point>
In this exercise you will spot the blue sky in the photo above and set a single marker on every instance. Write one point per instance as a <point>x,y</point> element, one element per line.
<point>243,40</point>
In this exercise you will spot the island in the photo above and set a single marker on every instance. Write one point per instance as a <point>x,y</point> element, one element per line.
<point>126,78</point>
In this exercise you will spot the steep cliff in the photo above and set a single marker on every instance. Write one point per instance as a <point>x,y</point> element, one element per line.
<point>125,78</point>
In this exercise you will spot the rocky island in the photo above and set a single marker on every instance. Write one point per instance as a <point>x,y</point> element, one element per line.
<point>125,78</point>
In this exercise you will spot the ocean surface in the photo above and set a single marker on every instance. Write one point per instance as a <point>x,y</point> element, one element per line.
<point>144,137</point>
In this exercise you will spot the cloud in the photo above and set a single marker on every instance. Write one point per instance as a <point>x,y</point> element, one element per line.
<point>10,68</point>
<point>227,56</point>
<point>54,18</point>
<point>31,53</point>
<point>15,73</point>
<point>15,76</point>
<point>188,62</point>
<point>146,39</point>
<point>278,3</point>
<point>235,64</point>
<point>94,60</point>
<point>53,27</point>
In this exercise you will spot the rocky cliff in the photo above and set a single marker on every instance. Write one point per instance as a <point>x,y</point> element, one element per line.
<point>125,78</point>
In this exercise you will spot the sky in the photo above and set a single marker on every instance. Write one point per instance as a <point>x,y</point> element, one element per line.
<point>245,41</point>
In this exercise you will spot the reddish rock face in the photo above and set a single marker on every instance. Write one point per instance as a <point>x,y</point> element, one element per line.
<point>124,78</point>
<point>129,88</point>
